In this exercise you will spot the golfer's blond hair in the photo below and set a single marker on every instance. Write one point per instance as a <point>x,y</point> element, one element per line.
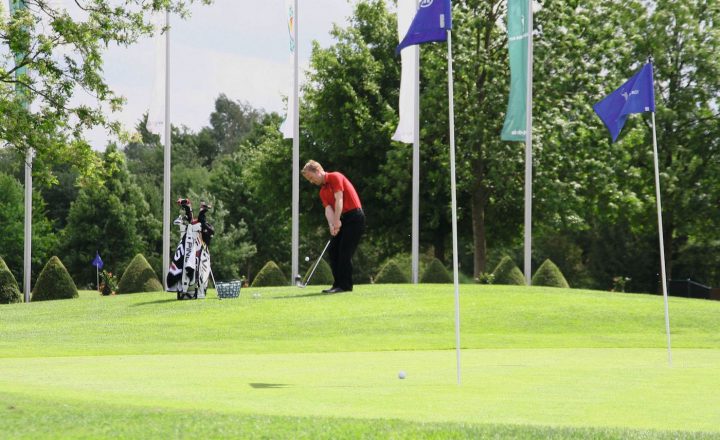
<point>312,167</point>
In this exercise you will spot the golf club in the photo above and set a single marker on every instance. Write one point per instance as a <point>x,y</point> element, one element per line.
<point>298,278</point>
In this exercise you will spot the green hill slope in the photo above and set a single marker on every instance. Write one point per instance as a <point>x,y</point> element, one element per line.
<point>373,318</point>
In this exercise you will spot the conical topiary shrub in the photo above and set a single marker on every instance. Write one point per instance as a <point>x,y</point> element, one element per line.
<point>9,291</point>
<point>391,273</point>
<point>507,272</point>
<point>323,273</point>
<point>138,277</point>
<point>270,275</point>
<point>54,282</point>
<point>548,274</point>
<point>435,272</point>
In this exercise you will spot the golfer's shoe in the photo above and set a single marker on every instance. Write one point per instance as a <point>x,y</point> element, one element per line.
<point>334,290</point>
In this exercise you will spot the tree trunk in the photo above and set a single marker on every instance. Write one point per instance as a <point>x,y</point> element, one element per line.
<point>479,199</point>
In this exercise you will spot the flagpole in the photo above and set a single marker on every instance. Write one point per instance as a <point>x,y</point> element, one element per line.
<point>167,151</point>
<point>528,150</point>
<point>416,175</point>
<point>451,118</point>
<point>295,239</point>
<point>662,243</point>
<point>97,278</point>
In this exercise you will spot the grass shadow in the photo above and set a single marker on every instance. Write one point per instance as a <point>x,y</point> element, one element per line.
<point>268,385</point>
<point>159,301</point>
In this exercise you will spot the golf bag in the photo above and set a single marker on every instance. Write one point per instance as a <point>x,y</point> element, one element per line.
<point>189,271</point>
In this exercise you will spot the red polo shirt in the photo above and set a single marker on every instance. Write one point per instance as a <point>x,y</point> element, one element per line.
<point>335,182</point>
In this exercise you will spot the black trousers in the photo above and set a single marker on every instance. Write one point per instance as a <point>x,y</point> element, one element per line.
<point>343,246</point>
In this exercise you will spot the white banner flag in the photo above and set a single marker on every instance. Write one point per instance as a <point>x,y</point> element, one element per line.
<point>156,114</point>
<point>288,126</point>
<point>405,132</point>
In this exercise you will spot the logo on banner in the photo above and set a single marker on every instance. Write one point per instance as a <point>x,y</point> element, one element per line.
<point>425,3</point>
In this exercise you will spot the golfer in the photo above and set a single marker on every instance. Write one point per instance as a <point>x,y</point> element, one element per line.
<point>345,218</point>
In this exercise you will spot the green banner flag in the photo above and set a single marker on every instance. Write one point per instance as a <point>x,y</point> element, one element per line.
<point>518,33</point>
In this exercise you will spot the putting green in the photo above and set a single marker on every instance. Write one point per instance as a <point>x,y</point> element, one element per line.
<point>612,388</point>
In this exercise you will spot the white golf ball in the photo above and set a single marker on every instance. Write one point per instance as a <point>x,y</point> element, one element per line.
<point>401,375</point>
<point>307,258</point>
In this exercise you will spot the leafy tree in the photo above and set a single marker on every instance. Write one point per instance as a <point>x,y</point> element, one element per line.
<point>12,228</point>
<point>63,51</point>
<point>111,217</point>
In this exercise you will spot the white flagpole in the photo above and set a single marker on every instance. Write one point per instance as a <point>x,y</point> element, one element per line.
<point>28,224</point>
<point>451,118</point>
<point>295,157</point>
<point>662,243</point>
<point>528,150</point>
<point>166,156</point>
<point>415,246</point>
<point>97,278</point>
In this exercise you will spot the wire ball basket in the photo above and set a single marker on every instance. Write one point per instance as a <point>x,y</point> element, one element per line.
<point>228,289</point>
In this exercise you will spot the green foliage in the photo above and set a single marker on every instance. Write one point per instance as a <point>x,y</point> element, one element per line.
<point>59,53</point>
<point>12,227</point>
<point>139,276</point>
<point>435,272</point>
<point>323,273</point>
<point>112,218</point>
<point>548,274</point>
<point>390,273</point>
<point>9,291</point>
<point>270,275</point>
<point>54,282</point>
<point>507,272</point>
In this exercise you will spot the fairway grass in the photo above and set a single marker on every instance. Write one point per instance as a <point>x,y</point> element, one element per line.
<point>536,363</point>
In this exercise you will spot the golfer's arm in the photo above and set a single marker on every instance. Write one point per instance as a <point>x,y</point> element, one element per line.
<point>329,214</point>
<point>338,206</point>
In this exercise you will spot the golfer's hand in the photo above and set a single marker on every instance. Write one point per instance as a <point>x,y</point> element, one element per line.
<point>335,228</point>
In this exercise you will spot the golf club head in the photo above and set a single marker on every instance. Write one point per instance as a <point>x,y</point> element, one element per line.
<point>298,281</point>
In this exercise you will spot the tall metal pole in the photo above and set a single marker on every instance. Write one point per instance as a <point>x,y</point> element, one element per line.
<point>451,118</point>
<point>415,251</point>
<point>167,155</point>
<point>16,5</point>
<point>662,241</point>
<point>528,150</point>
<point>27,256</point>
<point>295,157</point>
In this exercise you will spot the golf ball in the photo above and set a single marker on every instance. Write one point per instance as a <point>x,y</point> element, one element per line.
<point>401,375</point>
<point>307,258</point>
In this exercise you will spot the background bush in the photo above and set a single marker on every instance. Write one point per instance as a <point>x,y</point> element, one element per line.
<point>270,275</point>
<point>54,282</point>
<point>435,272</point>
<point>391,273</point>
<point>507,272</point>
<point>139,276</point>
<point>9,291</point>
<point>323,273</point>
<point>548,274</point>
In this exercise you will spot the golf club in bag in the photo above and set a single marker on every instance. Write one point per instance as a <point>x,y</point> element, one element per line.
<point>189,271</point>
<point>298,278</point>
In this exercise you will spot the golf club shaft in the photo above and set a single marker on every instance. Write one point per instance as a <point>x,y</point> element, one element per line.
<point>317,262</point>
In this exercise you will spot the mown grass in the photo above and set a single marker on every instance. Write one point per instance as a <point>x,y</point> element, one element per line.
<point>536,363</point>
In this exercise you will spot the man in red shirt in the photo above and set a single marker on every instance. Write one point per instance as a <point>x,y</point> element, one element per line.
<point>345,218</point>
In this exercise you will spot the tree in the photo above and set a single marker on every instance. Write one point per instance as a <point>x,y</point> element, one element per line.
<point>11,228</point>
<point>111,217</point>
<point>62,51</point>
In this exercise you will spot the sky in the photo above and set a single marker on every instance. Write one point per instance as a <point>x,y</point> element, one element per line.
<point>236,47</point>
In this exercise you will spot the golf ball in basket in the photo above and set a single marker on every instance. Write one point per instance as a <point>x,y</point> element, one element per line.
<point>401,375</point>
<point>307,258</point>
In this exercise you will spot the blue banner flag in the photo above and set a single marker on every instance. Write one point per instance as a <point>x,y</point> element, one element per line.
<point>637,95</point>
<point>97,262</point>
<point>431,23</point>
